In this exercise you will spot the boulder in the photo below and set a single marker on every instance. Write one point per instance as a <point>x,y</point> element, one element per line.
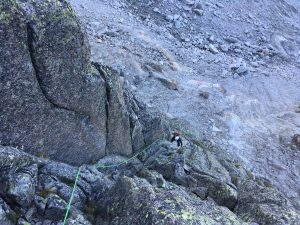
<point>52,100</point>
<point>99,182</point>
<point>12,159</point>
<point>60,170</point>
<point>20,187</point>
<point>137,137</point>
<point>213,49</point>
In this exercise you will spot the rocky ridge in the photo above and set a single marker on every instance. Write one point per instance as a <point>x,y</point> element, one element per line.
<point>57,108</point>
<point>231,71</point>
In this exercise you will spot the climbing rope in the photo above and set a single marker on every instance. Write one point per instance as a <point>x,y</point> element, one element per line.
<point>103,167</point>
<point>72,195</point>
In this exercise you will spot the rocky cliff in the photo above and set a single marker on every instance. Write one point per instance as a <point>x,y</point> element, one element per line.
<point>59,111</point>
<point>230,68</point>
<point>54,102</point>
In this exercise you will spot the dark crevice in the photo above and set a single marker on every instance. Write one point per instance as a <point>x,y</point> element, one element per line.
<point>104,77</point>
<point>10,202</point>
<point>30,41</point>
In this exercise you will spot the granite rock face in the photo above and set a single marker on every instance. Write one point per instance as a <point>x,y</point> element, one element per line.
<point>52,99</point>
<point>83,116</point>
<point>55,103</point>
<point>261,203</point>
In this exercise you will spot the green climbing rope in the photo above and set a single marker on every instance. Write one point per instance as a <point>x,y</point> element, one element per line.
<point>101,166</point>
<point>72,195</point>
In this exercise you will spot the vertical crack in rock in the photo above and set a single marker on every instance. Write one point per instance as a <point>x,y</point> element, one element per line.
<point>102,74</point>
<point>30,41</point>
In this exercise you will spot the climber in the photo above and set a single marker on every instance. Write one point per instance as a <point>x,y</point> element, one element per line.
<point>176,137</point>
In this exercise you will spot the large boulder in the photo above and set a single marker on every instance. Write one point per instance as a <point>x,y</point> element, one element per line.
<point>11,159</point>
<point>52,100</point>
<point>20,186</point>
<point>18,176</point>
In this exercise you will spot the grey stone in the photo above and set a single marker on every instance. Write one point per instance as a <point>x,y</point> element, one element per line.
<point>236,76</point>
<point>21,188</point>
<point>155,127</point>
<point>231,40</point>
<point>204,94</point>
<point>62,186</point>
<point>137,137</point>
<point>169,18</point>
<point>170,84</point>
<point>296,141</point>
<point>12,159</point>
<point>31,212</point>
<point>237,173</point>
<point>40,204</point>
<point>243,69</point>
<point>224,48</point>
<point>61,170</point>
<point>176,17</point>
<point>213,49</point>
<point>156,10</point>
<point>55,208</point>
<point>79,199</point>
<point>199,12</point>
<point>99,182</point>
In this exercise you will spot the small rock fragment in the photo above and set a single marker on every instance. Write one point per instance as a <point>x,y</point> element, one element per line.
<point>199,12</point>
<point>213,49</point>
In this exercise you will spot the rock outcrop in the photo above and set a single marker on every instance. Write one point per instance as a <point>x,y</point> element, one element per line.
<point>52,99</point>
<point>137,202</point>
<point>64,113</point>
<point>55,103</point>
<point>165,188</point>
